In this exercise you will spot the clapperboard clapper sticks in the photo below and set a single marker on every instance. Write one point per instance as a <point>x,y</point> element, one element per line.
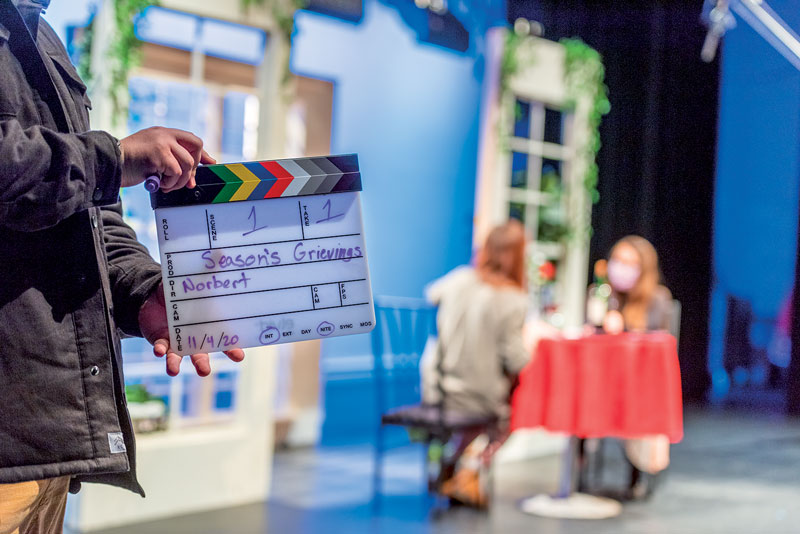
<point>264,252</point>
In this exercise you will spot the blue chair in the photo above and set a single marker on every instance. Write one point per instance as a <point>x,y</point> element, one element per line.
<point>403,326</point>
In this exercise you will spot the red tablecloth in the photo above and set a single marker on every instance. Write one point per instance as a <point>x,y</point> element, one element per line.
<point>624,386</point>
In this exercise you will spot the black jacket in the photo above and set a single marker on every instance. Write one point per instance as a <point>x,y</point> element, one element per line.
<point>73,275</point>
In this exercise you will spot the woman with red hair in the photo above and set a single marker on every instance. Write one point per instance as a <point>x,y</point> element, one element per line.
<point>480,349</point>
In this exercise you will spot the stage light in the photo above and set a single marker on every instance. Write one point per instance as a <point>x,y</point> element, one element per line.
<point>760,16</point>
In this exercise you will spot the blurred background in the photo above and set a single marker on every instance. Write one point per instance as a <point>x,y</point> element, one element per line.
<point>586,121</point>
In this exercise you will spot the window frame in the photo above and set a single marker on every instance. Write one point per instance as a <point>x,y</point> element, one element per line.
<point>539,80</point>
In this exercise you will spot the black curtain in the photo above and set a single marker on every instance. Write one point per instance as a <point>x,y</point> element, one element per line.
<point>659,144</point>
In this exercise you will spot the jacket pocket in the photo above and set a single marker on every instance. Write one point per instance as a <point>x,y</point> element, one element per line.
<point>44,418</point>
<point>77,89</point>
<point>44,414</point>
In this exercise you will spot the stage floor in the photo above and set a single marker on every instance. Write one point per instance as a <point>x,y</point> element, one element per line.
<point>734,472</point>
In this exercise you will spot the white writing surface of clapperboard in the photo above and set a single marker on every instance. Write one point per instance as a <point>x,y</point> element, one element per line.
<point>266,252</point>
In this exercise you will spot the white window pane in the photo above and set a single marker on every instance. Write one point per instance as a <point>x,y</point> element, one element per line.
<point>233,41</point>
<point>155,102</point>
<point>171,104</point>
<point>522,118</point>
<point>167,27</point>
<point>233,116</point>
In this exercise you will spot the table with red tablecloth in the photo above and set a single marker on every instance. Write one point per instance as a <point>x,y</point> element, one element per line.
<point>624,386</point>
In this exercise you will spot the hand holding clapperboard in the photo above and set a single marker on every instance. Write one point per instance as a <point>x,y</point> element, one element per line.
<point>264,252</point>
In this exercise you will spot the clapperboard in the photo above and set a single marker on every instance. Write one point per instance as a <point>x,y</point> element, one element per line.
<point>264,252</point>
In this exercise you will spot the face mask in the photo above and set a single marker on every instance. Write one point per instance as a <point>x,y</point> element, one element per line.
<point>623,277</point>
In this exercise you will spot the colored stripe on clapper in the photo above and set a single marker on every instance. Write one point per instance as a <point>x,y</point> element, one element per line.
<point>284,178</point>
<point>266,177</point>
<point>257,180</point>
<point>232,183</point>
<point>299,181</point>
<point>249,181</point>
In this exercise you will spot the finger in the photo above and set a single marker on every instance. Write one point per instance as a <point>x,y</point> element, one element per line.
<point>186,161</point>
<point>173,364</point>
<point>160,347</point>
<point>187,139</point>
<point>235,355</point>
<point>192,144</point>
<point>170,172</point>
<point>201,364</point>
<point>195,150</point>
<point>206,159</point>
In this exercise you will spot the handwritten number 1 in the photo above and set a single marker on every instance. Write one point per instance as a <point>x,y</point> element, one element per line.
<point>255,227</point>
<point>330,217</point>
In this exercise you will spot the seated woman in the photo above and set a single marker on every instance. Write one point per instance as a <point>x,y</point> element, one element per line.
<point>480,349</point>
<point>637,303</point>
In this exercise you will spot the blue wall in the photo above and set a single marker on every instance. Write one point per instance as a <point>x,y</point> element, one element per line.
<point>756,196</point>
<point>410,110</point>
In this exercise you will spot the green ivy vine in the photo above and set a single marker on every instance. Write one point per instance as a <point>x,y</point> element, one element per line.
<point>584,75</point>
<point>124,53</point>
<point>510,63</point>
<point>84,66</point>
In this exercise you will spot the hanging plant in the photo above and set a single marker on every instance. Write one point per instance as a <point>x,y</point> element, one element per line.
<point>513,61</point>
<point>124,53</point>
<point>584,75</point>
<point>84,47</point>
<point>510,63</point>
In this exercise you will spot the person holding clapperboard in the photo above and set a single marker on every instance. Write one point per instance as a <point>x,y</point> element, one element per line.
<point>74,276</point>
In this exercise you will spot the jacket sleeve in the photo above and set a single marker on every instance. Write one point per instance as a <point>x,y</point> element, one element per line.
<point>659,313</point>
<point>435,291</point>
<point>132,272</point>
<point>46,176</point>
<point>513,352</point>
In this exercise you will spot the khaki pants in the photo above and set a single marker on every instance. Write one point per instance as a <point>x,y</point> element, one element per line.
<point>35,507</point>
<point>649,454</point>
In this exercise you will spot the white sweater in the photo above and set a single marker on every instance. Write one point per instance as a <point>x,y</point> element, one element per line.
<point>480,335</point>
